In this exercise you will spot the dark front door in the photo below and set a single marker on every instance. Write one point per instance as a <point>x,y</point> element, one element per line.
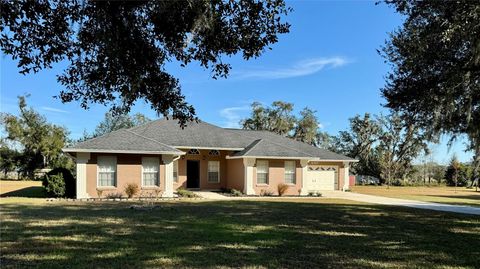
<point>193,174</point>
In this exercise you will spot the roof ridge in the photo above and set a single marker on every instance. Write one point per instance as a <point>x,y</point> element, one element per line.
<point>144,124</point>
<point>283,146</point>
<point>253,145</point>
<point>98,137</point>
<point>151,139</point>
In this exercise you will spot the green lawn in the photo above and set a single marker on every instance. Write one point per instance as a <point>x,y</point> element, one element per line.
<point>442,194</point>
<point>264,234</point>
<point>21,188</point>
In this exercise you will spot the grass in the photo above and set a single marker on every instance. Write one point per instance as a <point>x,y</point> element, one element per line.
<point>21,188</point>
<point>447,195</point>
<point>308,233</point>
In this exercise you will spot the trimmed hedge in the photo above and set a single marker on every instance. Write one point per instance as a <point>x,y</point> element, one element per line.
<point>54,185</point>
<point>68,178</point>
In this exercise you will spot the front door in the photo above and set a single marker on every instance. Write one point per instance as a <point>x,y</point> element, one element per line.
<point>193,174</point>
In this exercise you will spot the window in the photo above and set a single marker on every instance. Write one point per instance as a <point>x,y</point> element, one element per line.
<point>214,153</point>
<point>175,171</point>
<point>150,167</point>
<point>107,168</point>
<point>290,172</point>
<point>213,171</point>
<point>262,172</point>
<point>193,152</point>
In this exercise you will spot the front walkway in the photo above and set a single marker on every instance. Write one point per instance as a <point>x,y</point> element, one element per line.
<point>402,202</point>
<point>360,198</point>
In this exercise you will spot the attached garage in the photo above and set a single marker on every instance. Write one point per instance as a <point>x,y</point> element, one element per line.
<point>321,177</point>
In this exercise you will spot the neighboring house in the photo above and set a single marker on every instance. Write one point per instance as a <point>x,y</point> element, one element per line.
<point>160,157</point>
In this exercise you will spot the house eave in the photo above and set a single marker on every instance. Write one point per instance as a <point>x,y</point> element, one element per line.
<point>207,148</point>
<point>177,153</point>
<point>268,157</point>
<point>310,159</point>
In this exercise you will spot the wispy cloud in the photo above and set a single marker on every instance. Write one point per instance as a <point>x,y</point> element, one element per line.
<point>233,115</point>
<point>302,68</point>
<point>52,109</point>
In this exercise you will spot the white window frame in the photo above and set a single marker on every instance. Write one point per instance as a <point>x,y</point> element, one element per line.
<point>209,171</point>
<point>175,171</point>
<point>107,160</point>
<point>263,163</point>
<point>156,163</point>
<point>288,164</point>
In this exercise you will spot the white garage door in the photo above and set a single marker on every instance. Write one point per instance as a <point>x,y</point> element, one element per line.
<point>321,178</point>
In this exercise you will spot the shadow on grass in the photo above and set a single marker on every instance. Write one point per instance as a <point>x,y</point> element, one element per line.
<point>235,234</point>
<point>29,192</point>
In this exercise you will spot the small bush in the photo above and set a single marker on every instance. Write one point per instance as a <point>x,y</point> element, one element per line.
<point>99,193</point>
<point>235,192</point>
<point>314,193</point>
<point>282,188</point>
<point>266,193</point>
<point>131,189</point>
<point>114,195</point>
<point>54,185</point>
<point>186,193</point>
<point>68,178</point>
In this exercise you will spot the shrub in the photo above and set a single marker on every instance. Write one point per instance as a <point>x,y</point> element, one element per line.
<point>99,193</point>
<point>282,188</point>
<point>266,193</point>
<point>131,189</point>
<point>68,178</point>
<point>186,193</point>
<point>54,185</point>
<point>235,192</point>
<point>114,195</point>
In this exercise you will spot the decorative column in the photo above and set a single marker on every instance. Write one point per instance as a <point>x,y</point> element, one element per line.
<point>248,164</point>
<point>303,164</point>
<point>82,160</point>
<point>168,163</point>
<point>346,176</point>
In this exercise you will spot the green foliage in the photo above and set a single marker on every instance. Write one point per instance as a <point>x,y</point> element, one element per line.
<point>279,119</point>
<point>68,178</point>
<point>9,159</point>
<point>112,122</point>
<point>235,192</point>
<point>118,50</point>
<point>385,146</point>
<point>41,142</point>
<point>306,128</point>
<point>54,185</point>
<point>131,190</point>
<point>282,188</point>
<point>186,193</point>
<point>457,173</point>
<point>435,77</point>
<point>359,142</point>
<point>400,143</point>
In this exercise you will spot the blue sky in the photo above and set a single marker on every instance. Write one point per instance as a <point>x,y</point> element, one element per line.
<point>327,62</point>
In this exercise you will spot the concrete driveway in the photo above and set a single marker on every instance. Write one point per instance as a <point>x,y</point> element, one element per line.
<point>402,202</point>
<point>360,198</point>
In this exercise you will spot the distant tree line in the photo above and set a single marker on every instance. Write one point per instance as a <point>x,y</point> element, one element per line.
<point>385,145</point>
<point>32,143</point>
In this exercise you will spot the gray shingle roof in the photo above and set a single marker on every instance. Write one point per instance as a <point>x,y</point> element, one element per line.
<point>166,135</point>
<point>306,149</point>
<point>123,140</point>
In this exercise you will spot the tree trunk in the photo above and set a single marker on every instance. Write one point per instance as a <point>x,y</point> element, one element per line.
<point>476,163</point>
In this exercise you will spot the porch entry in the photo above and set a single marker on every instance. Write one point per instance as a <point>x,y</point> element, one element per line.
<point>193,174</point>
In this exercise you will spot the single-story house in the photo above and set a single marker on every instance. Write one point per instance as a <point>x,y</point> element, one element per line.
<point>160,157</point>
